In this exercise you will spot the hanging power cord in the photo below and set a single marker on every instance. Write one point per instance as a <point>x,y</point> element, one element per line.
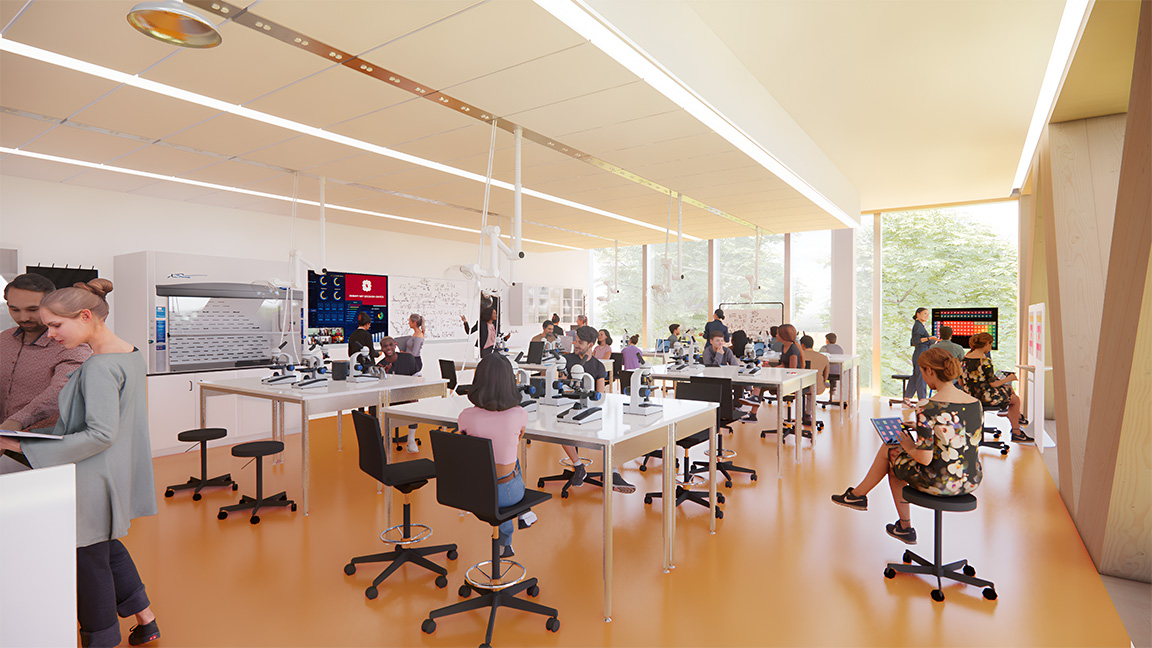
<point>487,191</point>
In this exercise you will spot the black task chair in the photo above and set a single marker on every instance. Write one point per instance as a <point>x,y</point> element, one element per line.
<point>202,436</point>
<point>990,437</point>
<point>405,477</point>
<point>789,422</point>
<point>448,372</point>
<point>725,417</point>
<point>467,481</point>
<point>709,393</point>
<point>833,386</point>
<point>618,368</point>
<point>936,567</point>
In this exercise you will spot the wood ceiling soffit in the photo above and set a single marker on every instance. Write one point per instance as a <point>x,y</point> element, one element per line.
<point>335,55</point>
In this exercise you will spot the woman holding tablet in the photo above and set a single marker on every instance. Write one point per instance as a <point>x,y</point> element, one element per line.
<point>943,461</point>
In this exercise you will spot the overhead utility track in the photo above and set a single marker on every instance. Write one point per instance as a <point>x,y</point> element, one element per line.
<point>241,16</point>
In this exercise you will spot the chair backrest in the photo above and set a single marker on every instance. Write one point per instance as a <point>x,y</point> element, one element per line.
<point>536,352</point>
<point>448,372</point>
<point>466,473</point>
<point>625,382</point>
<point>708,390</point>
<point>371,444</point>
<point>617,363</point>
<point>725,413</point>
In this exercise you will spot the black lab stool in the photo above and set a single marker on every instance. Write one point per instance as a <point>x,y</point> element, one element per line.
<point>202,436</point>
<point>937,568</point>
<point>258,450</point>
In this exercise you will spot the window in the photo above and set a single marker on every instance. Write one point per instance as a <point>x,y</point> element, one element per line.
<point>865,256</point>
<point>682,301</point>
<point>618,289</point>
<point>737,261</point>
<point>812,283</point>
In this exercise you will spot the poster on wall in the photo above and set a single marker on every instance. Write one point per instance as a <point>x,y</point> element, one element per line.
<point>336,299</point>
<point>1036,376</point>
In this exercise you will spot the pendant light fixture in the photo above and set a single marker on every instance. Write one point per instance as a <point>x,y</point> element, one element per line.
<point>174,23</point>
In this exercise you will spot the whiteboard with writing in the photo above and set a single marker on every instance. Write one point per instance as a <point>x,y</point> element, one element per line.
<point>753,321</point>
<point>440,301</point>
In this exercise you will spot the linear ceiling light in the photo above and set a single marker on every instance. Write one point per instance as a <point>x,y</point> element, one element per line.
<point>29,51</point>
<point>585,21</point>
<point>175,23</point>
<point>1067,38</point>
<point>4,150</point>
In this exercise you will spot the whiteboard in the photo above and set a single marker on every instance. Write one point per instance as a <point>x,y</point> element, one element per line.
<point>440,301</point>
<point>753,321</point>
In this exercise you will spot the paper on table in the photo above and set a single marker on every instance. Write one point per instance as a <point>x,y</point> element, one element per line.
<point>24,434</point>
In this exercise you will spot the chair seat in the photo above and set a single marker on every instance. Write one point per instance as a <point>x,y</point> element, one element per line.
<point>531,498</point>
<point>407,476</point>
<point>902,376</point>
<point>257,449</point>
<point>202,434</point>
<point>955,503</point>
<point>694,440</point>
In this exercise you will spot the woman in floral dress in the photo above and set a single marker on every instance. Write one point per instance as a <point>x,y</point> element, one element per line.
<point>942,461</point>
<point>980,379</point>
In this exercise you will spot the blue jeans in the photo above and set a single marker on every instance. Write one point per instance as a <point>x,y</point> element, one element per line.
<point>507,494</point>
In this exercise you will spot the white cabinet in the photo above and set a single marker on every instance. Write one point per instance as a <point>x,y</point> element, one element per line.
<point>529,305</point>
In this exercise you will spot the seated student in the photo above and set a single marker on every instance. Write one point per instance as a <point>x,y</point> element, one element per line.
<point>716,354</point>
<point>496,414</point>
<point>948,345</point>
<point>546,334</point>
<point>832,347</point>
<point>603,350</point>
<point>582,355</point>
<point>774,342</point>
<point>942,461</point>
<point>716,325</point>
<point>397,362</point>
<point>818,361</point>
<point>361,338</point>
<point>791,357</point>
<point>557,330</point>
<point>631,353</point>
<point>979,379</point>
<point>739,343</point>
<point>674,330</point>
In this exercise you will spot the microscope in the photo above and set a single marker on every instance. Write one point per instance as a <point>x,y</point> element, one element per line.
<point>362,362</point>
<point>552,352</point>
<point>683,355</point>
<point>313,365</point>
<point>640,393</point>
<point>750,361</point>
<point>524,384</point>
<point>581,387</point>
<point>283,368</point>
<point>551,396</point>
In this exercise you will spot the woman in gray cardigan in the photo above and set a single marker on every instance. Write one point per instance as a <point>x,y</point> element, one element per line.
<point>104,429</point>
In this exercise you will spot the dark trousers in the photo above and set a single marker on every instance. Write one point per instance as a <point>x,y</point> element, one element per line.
<point>916,386</point>
<point>487,351</point>
<point>107,586</point>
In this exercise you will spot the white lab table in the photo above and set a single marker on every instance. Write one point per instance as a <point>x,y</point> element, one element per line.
<point>336,396</point>
<point>618,437</point>
<point>849,364</point>
<point>785,381</point>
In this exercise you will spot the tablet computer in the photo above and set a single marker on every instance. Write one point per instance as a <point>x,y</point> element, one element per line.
<point>888,429</point>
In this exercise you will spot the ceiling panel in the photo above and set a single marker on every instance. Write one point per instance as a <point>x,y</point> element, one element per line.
<point>38,87</point>
<point>164,160</point>
<point>302,152</point>
<point>680,148</point>
<point>23,167</point>
<point>16,131</point>
<point>245,66</point>
<point>617,104</point>
<point>138,112</point>
<point>363,165</point>
<point>491,37</point>
<point>405,122</point>
<point>616,135</point>
<point>82,145</point>
<point>331,96</point>
<point>231,174</point>
<point>412,179</point>
<point>230,135</point>
<point>109,180</point>
<point>229,199</point>
<point>355,25</point>
<point>97,32</point>
<point>172,191</point>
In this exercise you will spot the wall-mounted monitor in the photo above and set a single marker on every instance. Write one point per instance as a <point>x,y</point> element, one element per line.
<point>966,322</point>
<point>335,299</point>
<point>64,277</point>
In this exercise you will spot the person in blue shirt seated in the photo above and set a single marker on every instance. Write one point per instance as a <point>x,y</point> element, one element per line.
<point>582,355</point>
<point>716,325</point>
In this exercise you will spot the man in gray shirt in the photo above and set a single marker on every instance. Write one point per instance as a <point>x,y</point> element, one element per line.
<point>716,354</point>
<point>948,345</point>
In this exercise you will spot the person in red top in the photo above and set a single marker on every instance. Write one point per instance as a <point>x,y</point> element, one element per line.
<point>33,369</point>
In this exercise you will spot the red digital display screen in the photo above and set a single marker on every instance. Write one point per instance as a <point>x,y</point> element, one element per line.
<point>370,290</point>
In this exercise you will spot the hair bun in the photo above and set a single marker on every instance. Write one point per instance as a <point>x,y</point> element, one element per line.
<point>98,286</point>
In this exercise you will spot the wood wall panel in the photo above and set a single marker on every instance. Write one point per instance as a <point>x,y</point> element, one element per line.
<point>1105,148</point>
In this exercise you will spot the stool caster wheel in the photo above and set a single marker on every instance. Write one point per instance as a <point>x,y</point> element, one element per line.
<point>293,506</point>
<point>540,484</point>
<point>563,494</point>
<point>989,593</point>
<point>349,569</point>
<point>222,515</point>
<point>441,581</point>
<point>720,498</point>
<point>255,519</point>
<point>907,558</point>
<point>647,499</point>
<point>453,555</point>
<point>643,468</point>
<point>728,484</point>
<point>719,514</point>
<point>534,591</point>
<point>553,624</point>
<point>429,626</point>
<point>464,591</point>
<point>235,486</point>
<point>937,595</point>
<point>169,493</point>
<point>484,645</point>
<point>753,477</point>
<point>1004,451</point>
<point>196,497</point>
<point>372,593</point>
<point>969,570</point>
<point>889,573</point>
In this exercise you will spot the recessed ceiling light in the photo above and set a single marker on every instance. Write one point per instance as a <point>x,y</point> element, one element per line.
<point>174,23</point>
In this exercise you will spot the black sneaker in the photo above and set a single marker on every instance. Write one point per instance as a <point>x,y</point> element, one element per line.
<point>142,634</point>
<point>852,500</point>
<point>507,552</point>
<point>578,475</point>
<point>621,486</point>
<point>1018,436</point>
<point>526,520</point>
<point>907,536</point>
<point>751,418</point>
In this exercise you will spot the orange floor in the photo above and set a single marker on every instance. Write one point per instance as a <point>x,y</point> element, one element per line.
<point>786,566</point>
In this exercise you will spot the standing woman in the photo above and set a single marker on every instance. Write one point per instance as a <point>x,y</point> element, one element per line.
<point>487,329</point>
<point>104,431</point>
<point>603,349</point>
<point>412,344</point>
<point>920,341</point>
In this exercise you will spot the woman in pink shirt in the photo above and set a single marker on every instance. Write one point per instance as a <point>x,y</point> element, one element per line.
<point>497,415</point>
<point>603,348</point>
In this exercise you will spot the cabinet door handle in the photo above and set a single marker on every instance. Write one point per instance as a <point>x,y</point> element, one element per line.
<point>189,385</point>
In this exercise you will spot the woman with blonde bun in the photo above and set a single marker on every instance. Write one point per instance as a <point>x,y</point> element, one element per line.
<point>944,460</point>
<point>103,427</point>
<point>980,379</point>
